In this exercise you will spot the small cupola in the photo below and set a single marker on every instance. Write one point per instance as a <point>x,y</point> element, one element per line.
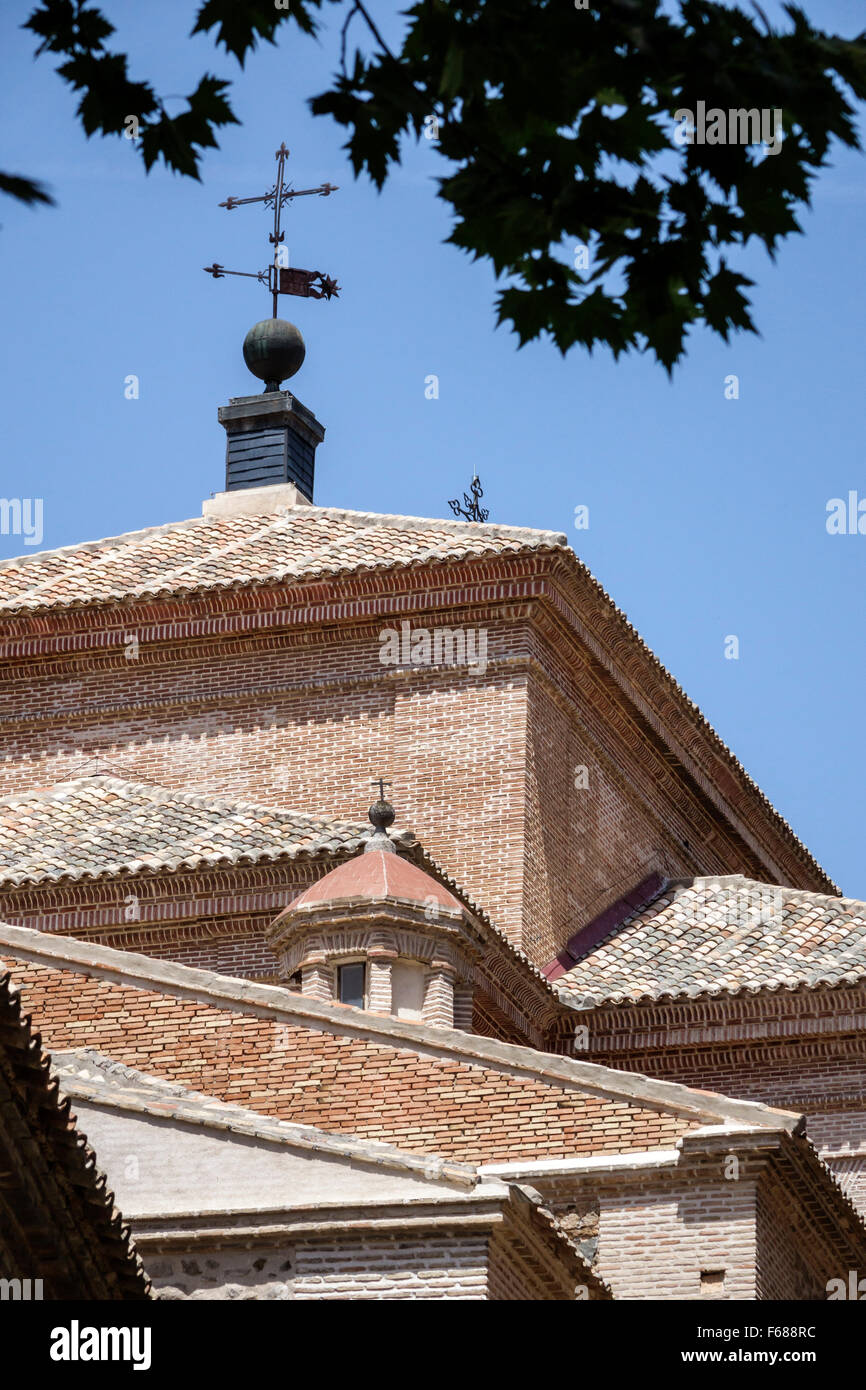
<point>380,934</point>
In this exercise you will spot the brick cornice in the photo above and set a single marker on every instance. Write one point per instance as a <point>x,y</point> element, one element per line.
<point>749,1016</point>
<point>745,1057</point>
<point>244,695</point>
<point>244,611</point>
<point>182,891</point>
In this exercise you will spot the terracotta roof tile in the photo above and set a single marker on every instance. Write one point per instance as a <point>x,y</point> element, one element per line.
<point>217,552</point>
<point>376,877</point>
<point>104,825</point>
<point>717,935</point>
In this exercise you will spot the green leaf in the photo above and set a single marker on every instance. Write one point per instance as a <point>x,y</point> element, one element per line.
<point>556,128</point>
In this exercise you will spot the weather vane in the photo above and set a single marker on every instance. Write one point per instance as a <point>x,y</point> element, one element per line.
<point>471,509</point>
<point>279,277</point>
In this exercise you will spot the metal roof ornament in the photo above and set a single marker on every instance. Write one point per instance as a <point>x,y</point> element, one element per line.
<point>279,277</point>
<point>274,348</point>
<point>471,509</point>
<point>381,815</point>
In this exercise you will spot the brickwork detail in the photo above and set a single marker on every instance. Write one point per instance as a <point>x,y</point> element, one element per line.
<point>317,981</point>
<point>277,694</point>
<point>435,1267</point>
<point>800,1052</point>
<point>380,984</point>
<point>439,998</point>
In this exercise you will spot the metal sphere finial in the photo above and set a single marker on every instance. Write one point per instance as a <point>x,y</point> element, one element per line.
<point>381,815</point>
<point>274,349</point>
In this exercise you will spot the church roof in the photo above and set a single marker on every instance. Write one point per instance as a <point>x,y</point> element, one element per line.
<point>223,552</point>
<point>720,935</point>
<point>102,825</point>
<point>429,1182</point>
<point>88,1075</point>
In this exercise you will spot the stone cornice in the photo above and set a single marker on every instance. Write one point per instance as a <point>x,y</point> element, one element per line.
<point>486,1211</point>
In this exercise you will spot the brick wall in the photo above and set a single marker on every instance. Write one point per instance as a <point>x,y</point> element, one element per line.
<point>584,844</point>
<point>657,1236</point>
<point>443,1266</point>
<point>654,1245</point>
<point>450,1265</point>
<point>688,1237</point>
<point>782,1267</point>
<point>304,720</point>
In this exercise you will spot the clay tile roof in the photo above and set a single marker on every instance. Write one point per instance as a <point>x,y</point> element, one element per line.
<point>61,1205</point>
<point>104,825</point>
<point>222,552</point>
<point>377,876</point>
<point>719,935</point>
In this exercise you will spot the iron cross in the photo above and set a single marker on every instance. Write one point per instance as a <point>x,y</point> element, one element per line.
<point>278,277</point>
<point>381,784</point>
<point>472,509</point>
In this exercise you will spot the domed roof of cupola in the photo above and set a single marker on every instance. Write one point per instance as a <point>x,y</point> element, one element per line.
<point>376,877</point>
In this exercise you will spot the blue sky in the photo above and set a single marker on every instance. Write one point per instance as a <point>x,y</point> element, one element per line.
<point>707,516</point>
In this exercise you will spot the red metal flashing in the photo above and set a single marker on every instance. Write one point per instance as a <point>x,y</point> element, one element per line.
<point>595,931</point>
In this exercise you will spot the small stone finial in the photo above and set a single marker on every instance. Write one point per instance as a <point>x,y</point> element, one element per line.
<point>381,815</point>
